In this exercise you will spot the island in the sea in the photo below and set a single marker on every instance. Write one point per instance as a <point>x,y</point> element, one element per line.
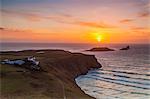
<point>43,74</point>
<point>100,49</point>
<point>125,48</point>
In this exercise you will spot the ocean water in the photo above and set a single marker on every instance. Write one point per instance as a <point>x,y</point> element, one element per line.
<point>124,74</point>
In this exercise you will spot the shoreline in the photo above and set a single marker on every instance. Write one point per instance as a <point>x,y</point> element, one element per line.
<point>62,67</point>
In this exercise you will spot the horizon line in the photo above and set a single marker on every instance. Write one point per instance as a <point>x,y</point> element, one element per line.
<point>65,43</point>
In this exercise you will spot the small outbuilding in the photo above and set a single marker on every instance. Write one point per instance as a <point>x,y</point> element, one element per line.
<point>29,62</point>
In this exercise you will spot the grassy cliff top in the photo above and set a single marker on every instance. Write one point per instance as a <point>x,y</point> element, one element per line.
<point>56,82</point>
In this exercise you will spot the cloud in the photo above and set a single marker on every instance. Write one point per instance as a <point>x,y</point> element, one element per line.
<point>93,24</point>
<point>126,20</point>
<point>27,15</point>
<point>144,14</point>
<point>69,19</point>
<point>10,30</point>
<point>36,17</point>
<point>138,28</point>
<point>59,17</point>
<point>1,28</point>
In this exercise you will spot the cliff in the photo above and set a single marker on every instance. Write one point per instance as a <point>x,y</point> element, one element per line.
<point>56,80</point>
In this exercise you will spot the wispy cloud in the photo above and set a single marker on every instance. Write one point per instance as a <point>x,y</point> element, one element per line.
<point>1,28</point>
<point>26,15</point>
<point>140,30</point>
<point>59,17</point>
<point>126,20</point>
<point>144,14</point>
<point>93,24</point>
<point>144,11</point>
<point>69,19</point>
<point>15,30</point>
<point>34,16</point>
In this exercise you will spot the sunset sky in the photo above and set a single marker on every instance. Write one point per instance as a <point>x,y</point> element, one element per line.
<point>75,21</point>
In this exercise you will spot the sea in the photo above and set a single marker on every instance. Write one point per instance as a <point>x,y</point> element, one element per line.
<point>125,74</point>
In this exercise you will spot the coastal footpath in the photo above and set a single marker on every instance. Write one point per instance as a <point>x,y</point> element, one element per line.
<point>54,80</point>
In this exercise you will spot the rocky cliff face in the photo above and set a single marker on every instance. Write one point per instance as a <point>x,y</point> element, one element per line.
<point>73,65</point>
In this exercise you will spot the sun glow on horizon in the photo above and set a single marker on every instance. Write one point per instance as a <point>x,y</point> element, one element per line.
<point>99,38</point>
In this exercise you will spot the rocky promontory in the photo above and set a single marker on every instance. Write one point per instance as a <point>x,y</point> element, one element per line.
<point>56,80</point>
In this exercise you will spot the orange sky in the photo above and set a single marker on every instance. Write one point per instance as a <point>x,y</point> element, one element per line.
<point>75,21</point>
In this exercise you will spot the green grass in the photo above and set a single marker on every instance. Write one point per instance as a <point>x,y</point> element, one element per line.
<point>25,84</point>
<point>9,68</point>
<point>11,80</point>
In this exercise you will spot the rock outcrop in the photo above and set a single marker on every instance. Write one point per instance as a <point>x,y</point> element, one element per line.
<point>125,48</point>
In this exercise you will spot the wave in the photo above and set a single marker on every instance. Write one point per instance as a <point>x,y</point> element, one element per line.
<point>113,83</point>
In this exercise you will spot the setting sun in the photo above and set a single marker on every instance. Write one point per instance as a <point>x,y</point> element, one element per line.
<point>99,38</point>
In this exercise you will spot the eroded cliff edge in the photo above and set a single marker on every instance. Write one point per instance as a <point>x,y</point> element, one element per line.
<point>56,80</point>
